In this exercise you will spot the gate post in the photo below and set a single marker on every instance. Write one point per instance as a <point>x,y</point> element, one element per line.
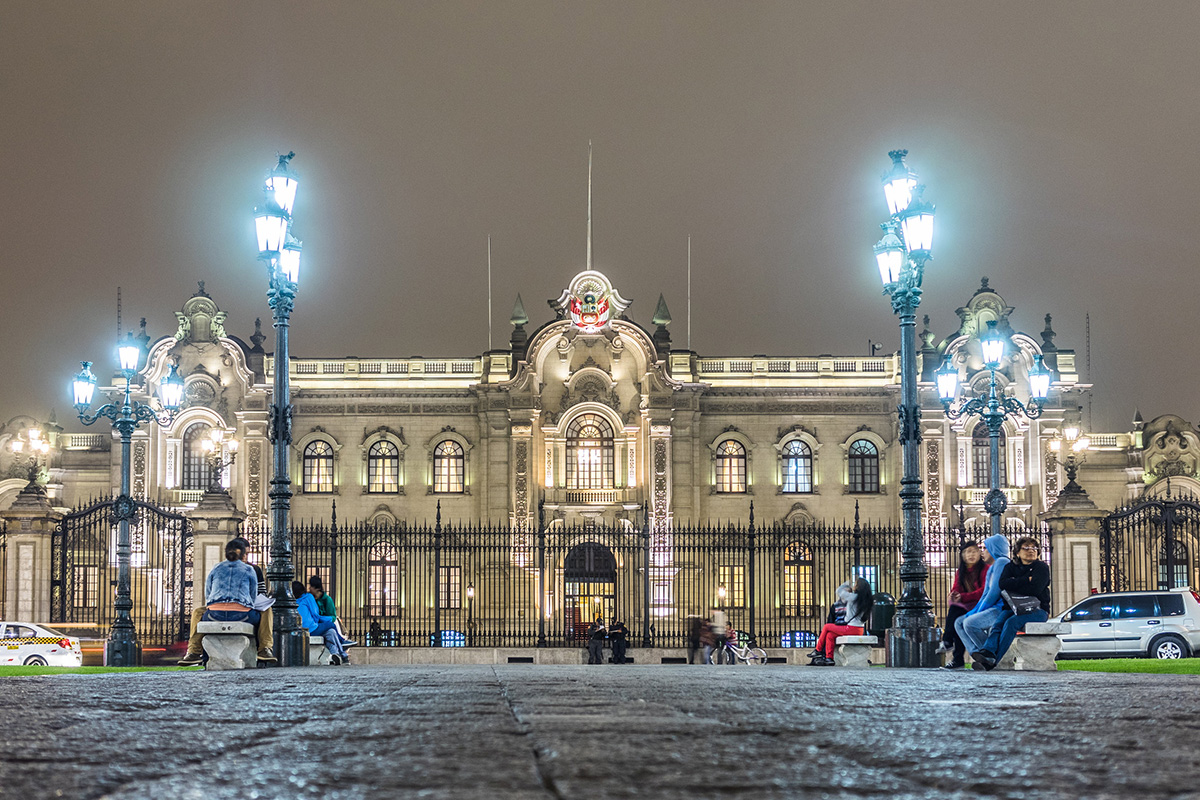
<point>215,520</point>
<point>31,521</point>
<point>1074,522</point>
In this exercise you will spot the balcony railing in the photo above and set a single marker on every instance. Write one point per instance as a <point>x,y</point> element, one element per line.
<point>973,496</point>
<point>588,496</point>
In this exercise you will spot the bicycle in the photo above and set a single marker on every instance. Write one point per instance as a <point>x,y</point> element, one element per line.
<point>755,656</point>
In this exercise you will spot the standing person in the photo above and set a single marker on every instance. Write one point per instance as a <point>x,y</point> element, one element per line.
<point>618,636</point>
<point>596,633</point>
<point>708,640</point>
<point>264,626</point>
<point>319,624</point>
<point>694,626</point>
<point>974,626</point>
<point>720,622</point>
<point>964,594</point>
<point>1028,576</point>
<point>859,602</point>
<point>325,606</point>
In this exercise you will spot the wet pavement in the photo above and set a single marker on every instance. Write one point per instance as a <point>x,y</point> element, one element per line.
<point>526,731</point>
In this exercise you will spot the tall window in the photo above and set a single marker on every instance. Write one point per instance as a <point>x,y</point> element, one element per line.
<point>383,573</point>
<point>797,467</point>
<point>318,466</point>
<point>1179,562</point>
<point>448,463</point>
<point>798,580</point>
<point>733,578</point>
<point>589,453</point>
<point>383,467</point>
<point>981,457</point>
<point>731,466</point>
<point>864,466</point>
<point>195,464</point>
<point>87,587</point>
<point>450,588</point>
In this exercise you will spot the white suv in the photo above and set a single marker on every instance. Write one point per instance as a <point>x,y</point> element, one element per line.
<point>1162,624</point>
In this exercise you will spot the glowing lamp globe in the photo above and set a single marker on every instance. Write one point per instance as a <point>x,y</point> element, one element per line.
<point>898,183</point>
<point>1039,380</point>
<point>129,353</point>
<point>170,390</point>
<point>947,381</point>
<point>84,386</point>
<point>271,224</point>
<point>992,344</point>
<point>916,221</point>
<point>889,255</point>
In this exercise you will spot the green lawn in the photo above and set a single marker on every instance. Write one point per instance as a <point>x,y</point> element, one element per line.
<point>1160,666</point>
<point>18,671</point>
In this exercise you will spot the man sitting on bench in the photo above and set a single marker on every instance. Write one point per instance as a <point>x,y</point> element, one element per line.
<point>229,593</point>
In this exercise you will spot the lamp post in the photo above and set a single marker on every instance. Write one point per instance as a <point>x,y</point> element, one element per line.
<point>1072,444</point>
<point>32,449</point>
<point>215,448</point>
<point>122,648</point>
<point>279,250</point>
<point>994,408</point>
<point>901,255</point>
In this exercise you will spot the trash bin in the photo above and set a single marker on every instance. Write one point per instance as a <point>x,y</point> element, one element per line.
<point>882,614</point>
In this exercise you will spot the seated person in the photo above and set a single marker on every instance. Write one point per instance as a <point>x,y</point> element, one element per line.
<point>319,624</point>
<point>859,602</point>
<point>195,650</point>
<point>326,608</point>
<point>229,594</point>
<point>1027,576</point>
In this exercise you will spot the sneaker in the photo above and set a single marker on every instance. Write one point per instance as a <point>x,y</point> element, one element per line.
<point>191,660</point>
<point>266,655</point>
<point>825,662</point>
<point>345,661</point>
<point>335,660</point>
<point>815,654</point>
<point>349,643</point>
<point>944,647</point>
<point>982,660</point>
<point>954,665</point>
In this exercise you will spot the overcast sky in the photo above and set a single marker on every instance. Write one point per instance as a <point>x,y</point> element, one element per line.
<point>1058,141</point>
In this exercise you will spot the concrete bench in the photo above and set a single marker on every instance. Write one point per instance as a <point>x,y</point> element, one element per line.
<point>318,653</point>
<point>229,645</point>
<point>854,651</point>
<point>1036,648</point>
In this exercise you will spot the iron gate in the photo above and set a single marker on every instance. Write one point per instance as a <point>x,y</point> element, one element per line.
<point>1151,545</point>
<point>83,569</point>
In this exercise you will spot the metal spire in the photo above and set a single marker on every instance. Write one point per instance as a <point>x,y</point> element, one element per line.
<point>589,210</point>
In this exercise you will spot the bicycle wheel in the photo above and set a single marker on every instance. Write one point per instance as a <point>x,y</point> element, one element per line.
<point>756,656</point>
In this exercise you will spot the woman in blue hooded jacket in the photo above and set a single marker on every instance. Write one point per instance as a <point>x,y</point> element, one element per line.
<point>319,624</point>
<point>974,626</point>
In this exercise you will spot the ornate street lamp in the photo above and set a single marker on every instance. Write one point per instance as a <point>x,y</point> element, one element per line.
<point>279,250</point>
<point>1070,450</point>
<point>994,408</point>
<point>219,455</point>
<point>33,450</point>
<point>122,648</point>
<point>901,255</point>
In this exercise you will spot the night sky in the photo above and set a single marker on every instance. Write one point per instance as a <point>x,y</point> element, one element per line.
<point>1057,140</point>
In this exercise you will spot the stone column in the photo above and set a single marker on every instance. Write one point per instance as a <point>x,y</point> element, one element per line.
<point>1074,522</point>
<point>215,521</point>
<point>31,521</point>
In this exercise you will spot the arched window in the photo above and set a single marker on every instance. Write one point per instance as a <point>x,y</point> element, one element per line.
<point>731,466</point>
<point>195,461</point>
<point>318,466</point>
<point>589,453</point>
<point>448,467</point>
<point>383,577</point>
<point>797,467</point>
<point>864,466</point>
<point>798,580</point>
<point>981,458</point>
<point>383,467</point>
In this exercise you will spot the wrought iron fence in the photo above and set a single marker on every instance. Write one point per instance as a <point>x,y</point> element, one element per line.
<point>1151,544</point>
<point>481,585</point>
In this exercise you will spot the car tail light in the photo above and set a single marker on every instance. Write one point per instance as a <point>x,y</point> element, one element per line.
<point>65,644</point>
<point>1196,595</point>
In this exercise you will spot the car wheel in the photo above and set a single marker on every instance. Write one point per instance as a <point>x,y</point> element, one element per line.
<point>1168,647</point>
<point>35,661</point>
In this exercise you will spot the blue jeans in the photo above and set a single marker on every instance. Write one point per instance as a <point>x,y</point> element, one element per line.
<point>215,615</point>
<point>1005,630</point>
<point>333,641</point>
<point>973,629</point>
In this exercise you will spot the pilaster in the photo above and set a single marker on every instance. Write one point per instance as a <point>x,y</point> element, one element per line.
<point>1074,522</point>
<point>31,522</point>
<point>215,520</point>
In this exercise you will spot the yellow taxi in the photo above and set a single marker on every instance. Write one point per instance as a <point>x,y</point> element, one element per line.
<point>34,645</point>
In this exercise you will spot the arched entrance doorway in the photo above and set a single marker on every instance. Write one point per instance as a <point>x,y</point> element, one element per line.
<point>590,587</point>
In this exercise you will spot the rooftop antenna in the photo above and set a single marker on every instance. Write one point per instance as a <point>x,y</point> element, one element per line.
<point>589,210</point>
<point>118,313</point>
<point>489,291</point>
<point>1087,333</point>
<point>689,308</point>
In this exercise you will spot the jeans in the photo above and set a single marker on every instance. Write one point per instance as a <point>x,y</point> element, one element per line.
<point>333,640</point>
<point>1004,630</point>
<point>950,636</point>
<point>973,628</point>
<point>265,632</point>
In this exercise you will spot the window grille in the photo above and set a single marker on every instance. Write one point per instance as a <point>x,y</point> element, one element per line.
<point>195,462</point>
<point>981,457</point>
<point>589,453</point>
<point>864,467</point>
<point>798,580</point>
<point>383,573</point>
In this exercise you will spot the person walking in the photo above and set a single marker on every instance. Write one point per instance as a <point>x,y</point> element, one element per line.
<point>695,623</point>
<point>1027,576</point>
<point>859,600</point>
<point>596,634</point>
<point>964,594</point>
<point>720,622</point>
<point>974,626</point>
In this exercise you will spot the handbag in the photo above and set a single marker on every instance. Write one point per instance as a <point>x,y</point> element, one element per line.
<point>1021,603</point>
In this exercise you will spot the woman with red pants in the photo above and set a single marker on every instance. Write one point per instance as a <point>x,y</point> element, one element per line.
<point>858,611</point>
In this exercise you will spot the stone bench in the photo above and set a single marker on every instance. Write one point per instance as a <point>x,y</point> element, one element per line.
<point>854,651</point>
<point>229,645</point>
<point>1036,648</point>
<point>318,653</point>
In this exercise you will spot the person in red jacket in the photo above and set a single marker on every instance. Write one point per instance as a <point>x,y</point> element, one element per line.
<point>964,594</point>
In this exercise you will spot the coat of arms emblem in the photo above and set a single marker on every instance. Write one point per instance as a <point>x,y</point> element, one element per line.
<point>590,302</point>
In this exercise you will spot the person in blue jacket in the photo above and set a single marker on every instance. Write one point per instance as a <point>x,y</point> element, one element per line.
<point>974,626</point>
<point>319,624</point>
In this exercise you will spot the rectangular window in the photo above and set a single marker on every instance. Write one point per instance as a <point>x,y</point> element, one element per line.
<point>733,578</point>
<point>86,592</point>
<point>797,589</point>
<point>448,475</point>
<point>797,476</point>
<point>450,587</point>
<point>382,581</point>
<point>384,475</point>
<point>871,573</point>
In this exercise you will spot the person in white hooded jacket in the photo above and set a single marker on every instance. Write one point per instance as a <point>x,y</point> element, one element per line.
<point>974,626</point>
